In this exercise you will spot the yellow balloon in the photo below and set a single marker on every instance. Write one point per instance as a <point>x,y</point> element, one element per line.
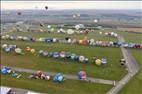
<point>32,50</point>
<point>80,41</point>
<point>98,62</point>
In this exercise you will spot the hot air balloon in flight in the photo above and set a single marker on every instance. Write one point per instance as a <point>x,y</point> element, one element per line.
<point>46,7</point>
<point>19,13</point>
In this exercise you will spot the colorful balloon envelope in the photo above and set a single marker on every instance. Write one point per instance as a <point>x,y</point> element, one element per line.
<point>81,58</point>
<point>40,52</point>
<point>58,77</point>
<point>32,50</point>
<point>62,54</point>
<point>73,56</point>
<point>82,75</point>
<point>80,41</point>
<point>104,61</point>
<point>45,53</point>
<point>98,62</point>
<point>18,50</point>
<point>67,54</point>
<point>50,54</point>
<point>7,49</point>
<point>4,45</point>
<point>86,60</point>
<point>56,54</point>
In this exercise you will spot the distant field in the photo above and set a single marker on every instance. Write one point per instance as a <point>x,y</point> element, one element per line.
<point>131,36</point>
<point>130,29</point>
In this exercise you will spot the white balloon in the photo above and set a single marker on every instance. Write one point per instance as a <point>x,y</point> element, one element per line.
<point>70,31</point>
<point>95,20</point>
<point>18,50</point>
<point>49,26</point>
<point>77,27</point>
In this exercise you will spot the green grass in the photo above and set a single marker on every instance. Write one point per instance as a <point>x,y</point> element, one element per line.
<point>66,87</point>
<point>134,86</point>
<point>131,36</point>
<point>113,70</point>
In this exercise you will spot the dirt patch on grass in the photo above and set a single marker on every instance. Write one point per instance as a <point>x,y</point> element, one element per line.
<point>130,29</point>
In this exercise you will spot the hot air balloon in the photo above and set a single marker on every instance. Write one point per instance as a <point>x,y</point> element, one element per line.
<point>62,54</point>
<point>32,51</point>
<point>81,58</point>
<point>19,13</point>
<point>82,75</point>
<point>4,45</point>
<point>46,7</point>
<point>58,77</point>
<point>98,62</point>
<point>70,31</point>
<point>18,51</point>
<point>104,60</point>
<point>7,49</point>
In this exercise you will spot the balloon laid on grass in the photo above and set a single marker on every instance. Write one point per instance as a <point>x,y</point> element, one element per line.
<point>62,54</point>
<point>73,56</point>
<point>70,31</point>
<point>18,51</point>
<point>7,49</point>
<point>77,27</point>
<point>58,77</point>
<point>56,54</point>
<point>80,41</point>
<point>28,49</point>
<point>86,60</point>
<point>45,53</point>
<point>32,51</point>
<point>98,62</point>
<point>4,45</point>
<point>82,75</point>
<point>104,60</point>
<point>81,58</point>
<point>3,37</point>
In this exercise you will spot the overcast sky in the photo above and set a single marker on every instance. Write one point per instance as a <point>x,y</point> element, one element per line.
<point>71,4</point>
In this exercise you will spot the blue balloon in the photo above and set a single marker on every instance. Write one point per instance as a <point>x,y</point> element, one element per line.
<point>104,61</point>
<point>50,54</point>
<point>7,49</point>
<point>4,71</point>
<point>14,74</point>
<point>56,54</point>
<point>86,61</point>
<point>58,77</point>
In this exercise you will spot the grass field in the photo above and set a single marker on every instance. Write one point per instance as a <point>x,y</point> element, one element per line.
<point>113,70</point>
<point>67,87</point>
<point>134,86</point>
<point>132,36</point>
